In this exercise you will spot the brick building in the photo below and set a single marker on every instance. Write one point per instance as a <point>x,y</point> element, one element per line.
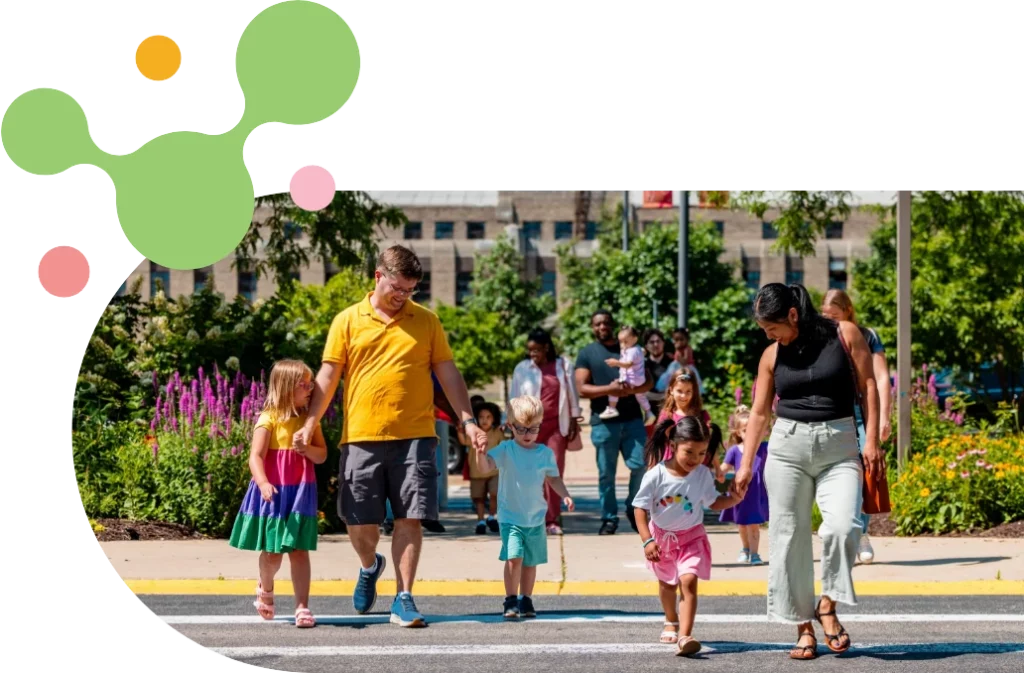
<point>448,229</point>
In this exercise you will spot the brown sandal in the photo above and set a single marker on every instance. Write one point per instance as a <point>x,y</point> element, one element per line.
<point>832,637</point>
<point>804,652</point>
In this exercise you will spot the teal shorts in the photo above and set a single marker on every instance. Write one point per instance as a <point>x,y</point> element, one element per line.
<point>529,544</point>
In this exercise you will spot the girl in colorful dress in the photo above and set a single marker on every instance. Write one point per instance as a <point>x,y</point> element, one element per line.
<point>279,513</point>
<point>752,511</point>
<point>675,491</point>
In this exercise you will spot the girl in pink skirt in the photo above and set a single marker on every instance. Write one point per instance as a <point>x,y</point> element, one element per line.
<point>670,517</point>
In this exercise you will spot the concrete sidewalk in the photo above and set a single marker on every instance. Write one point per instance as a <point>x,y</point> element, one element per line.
<point>577,563</point>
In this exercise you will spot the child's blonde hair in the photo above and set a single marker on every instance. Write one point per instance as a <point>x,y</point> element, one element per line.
<point>284,376</point>
<point>739,415</point>
<point>525,410</point>
<point>684,374</point>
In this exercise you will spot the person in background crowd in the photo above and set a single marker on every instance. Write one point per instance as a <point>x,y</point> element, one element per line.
<point>624,435</point>
<point>838,306</point>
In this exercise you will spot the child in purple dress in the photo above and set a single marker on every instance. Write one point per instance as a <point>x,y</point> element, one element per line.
<point>752,511</point>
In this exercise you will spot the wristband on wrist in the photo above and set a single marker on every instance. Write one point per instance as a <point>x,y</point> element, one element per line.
<point>648,541</point>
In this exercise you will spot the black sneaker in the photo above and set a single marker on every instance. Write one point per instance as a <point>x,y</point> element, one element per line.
<point>432,525</point>
<point>481,528</point>
<point>526,608</point>
<point>608,527</point>
<point>388,527</point>
<point>492,523</point>
<point>511,607</point>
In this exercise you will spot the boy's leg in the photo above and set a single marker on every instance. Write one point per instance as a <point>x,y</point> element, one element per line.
<point>527,581</point>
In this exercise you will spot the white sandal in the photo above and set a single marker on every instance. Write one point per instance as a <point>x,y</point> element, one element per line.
<point>689,646</point>
<point>670,637</point>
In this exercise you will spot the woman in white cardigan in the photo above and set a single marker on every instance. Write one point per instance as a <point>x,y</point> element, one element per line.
<point>548,377</point>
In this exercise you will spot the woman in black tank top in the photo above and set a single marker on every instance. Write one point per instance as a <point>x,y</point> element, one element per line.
<point>812,455</point>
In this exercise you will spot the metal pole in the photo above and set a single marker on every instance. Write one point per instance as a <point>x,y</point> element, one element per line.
<point>625,221</point>
<point>903,364</point>
<point>684,242</point>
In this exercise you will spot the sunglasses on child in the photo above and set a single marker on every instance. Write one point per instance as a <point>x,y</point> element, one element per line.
<point>526,431</point>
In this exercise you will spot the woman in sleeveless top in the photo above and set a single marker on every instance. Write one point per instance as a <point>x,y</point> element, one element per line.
<point>812,456</point>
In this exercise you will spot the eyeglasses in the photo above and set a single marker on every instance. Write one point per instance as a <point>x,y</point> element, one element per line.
<point>305,385</point>
<point>526,431</point>
<point>399,291</point>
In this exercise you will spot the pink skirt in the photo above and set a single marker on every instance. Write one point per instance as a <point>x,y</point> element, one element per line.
<point>685,552</point>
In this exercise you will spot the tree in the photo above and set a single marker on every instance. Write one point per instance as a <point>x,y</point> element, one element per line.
<point>630,284</point>
<point>500,287</point>
<point>344,233</point>
<point>967,280</point>
<point>803,216</point>
<point>477,341</point>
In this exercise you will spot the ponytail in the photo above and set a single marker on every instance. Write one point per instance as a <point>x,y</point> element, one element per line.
<point>688,429</point>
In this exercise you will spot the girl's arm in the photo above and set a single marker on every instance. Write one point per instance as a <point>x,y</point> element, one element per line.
<point>726,501</point>
<point>621,364</point>
<point>260,446</point>
<point>651,549</point>
<point>558,486</point>
<point>316,450</point>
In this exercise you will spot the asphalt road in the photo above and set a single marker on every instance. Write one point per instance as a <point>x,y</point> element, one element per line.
<point>602,635</point>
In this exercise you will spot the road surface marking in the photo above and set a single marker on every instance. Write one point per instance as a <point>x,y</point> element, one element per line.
<point>481,649</point>
<point>574,618</point>
<point>244,587</point>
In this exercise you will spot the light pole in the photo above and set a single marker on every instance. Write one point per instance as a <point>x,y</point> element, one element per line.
<point>903,364</point>
<point>684,243</point>
<point>625,221</point>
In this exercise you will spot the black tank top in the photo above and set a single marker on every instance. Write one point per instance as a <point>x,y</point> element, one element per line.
<point>813,380</point>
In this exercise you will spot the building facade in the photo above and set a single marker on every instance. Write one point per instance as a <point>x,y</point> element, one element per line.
<point>447,230</point>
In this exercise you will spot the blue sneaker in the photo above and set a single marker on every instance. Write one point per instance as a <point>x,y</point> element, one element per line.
<point>404,612</point>
<point>755,559</point>
<point>365,595</point>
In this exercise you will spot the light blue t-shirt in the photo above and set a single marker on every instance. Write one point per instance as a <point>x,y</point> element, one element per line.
<point>521,474</point>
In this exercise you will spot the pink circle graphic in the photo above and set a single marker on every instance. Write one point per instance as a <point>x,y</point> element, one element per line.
<point>312,188</point>
<point>63,271</point>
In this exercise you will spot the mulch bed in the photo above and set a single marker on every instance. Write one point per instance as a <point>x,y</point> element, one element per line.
<point>123,529</point>
<point>885,527</point>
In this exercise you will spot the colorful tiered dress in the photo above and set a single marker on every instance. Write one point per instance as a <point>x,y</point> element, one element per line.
<point>289,521</point>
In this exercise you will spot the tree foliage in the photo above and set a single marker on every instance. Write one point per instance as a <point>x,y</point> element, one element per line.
<point>802,217</point>
<point>344,233</point>
<point>631,283</point>
<point>967,280</point>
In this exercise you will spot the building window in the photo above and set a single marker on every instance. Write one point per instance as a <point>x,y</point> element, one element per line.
<point>531,231</point>
<point>295,275</point>
<point>768,230</point>
<point>752,273</point>
<point>548,283</point>
<point>834,230</point>
<point>720,227</point>
<point>563,231</point>
<point>292,231</point>
<point>794,270</point>
<point>413,231</point>
<point>591,231</point>
<point>246,283</point>
<point>423,295</point>
<point>475,231</point>
<point>159,279</point>
<point>444,230</point>
<point>837,273</point>
<point>463,279</point>
<point>330,271</point>
<point>200,277</point>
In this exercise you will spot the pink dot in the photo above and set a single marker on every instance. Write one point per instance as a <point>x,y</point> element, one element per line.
<point>312,188</point>
<point>63,271</point>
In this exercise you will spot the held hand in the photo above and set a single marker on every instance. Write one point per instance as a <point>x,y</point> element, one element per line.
<point>300,440</point>
<point>874,461</point>
<point>653,552</point>
<point>569,504</point>
<point>742,481</point>
<point>267,490</point>
<point>477,436</point>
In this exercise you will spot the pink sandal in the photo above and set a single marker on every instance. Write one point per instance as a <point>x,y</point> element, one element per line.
<point>304,618</point>
<point>265,610</point>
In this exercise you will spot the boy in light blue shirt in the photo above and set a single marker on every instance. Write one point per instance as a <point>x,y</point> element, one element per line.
<point>524,467</point>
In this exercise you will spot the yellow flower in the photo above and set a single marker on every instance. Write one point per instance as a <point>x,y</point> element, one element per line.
<point>1000,474</point>
<point>320,516</point>
<point>950,474</point>
<point>925,492</point>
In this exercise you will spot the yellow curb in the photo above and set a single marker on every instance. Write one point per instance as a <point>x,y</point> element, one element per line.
<point>242,587</point>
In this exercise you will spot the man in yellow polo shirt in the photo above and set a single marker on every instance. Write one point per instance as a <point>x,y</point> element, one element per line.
<point>386,347</point>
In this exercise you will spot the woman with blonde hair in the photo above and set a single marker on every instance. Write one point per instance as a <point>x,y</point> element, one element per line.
<point>838,306</point>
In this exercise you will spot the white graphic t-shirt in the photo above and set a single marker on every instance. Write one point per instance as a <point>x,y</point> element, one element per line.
<point>676,503</point>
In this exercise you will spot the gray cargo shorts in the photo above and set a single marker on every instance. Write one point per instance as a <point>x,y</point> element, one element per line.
<point>403,471</point>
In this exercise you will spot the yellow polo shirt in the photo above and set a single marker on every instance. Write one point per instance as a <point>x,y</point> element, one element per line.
<point>388,391</point>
